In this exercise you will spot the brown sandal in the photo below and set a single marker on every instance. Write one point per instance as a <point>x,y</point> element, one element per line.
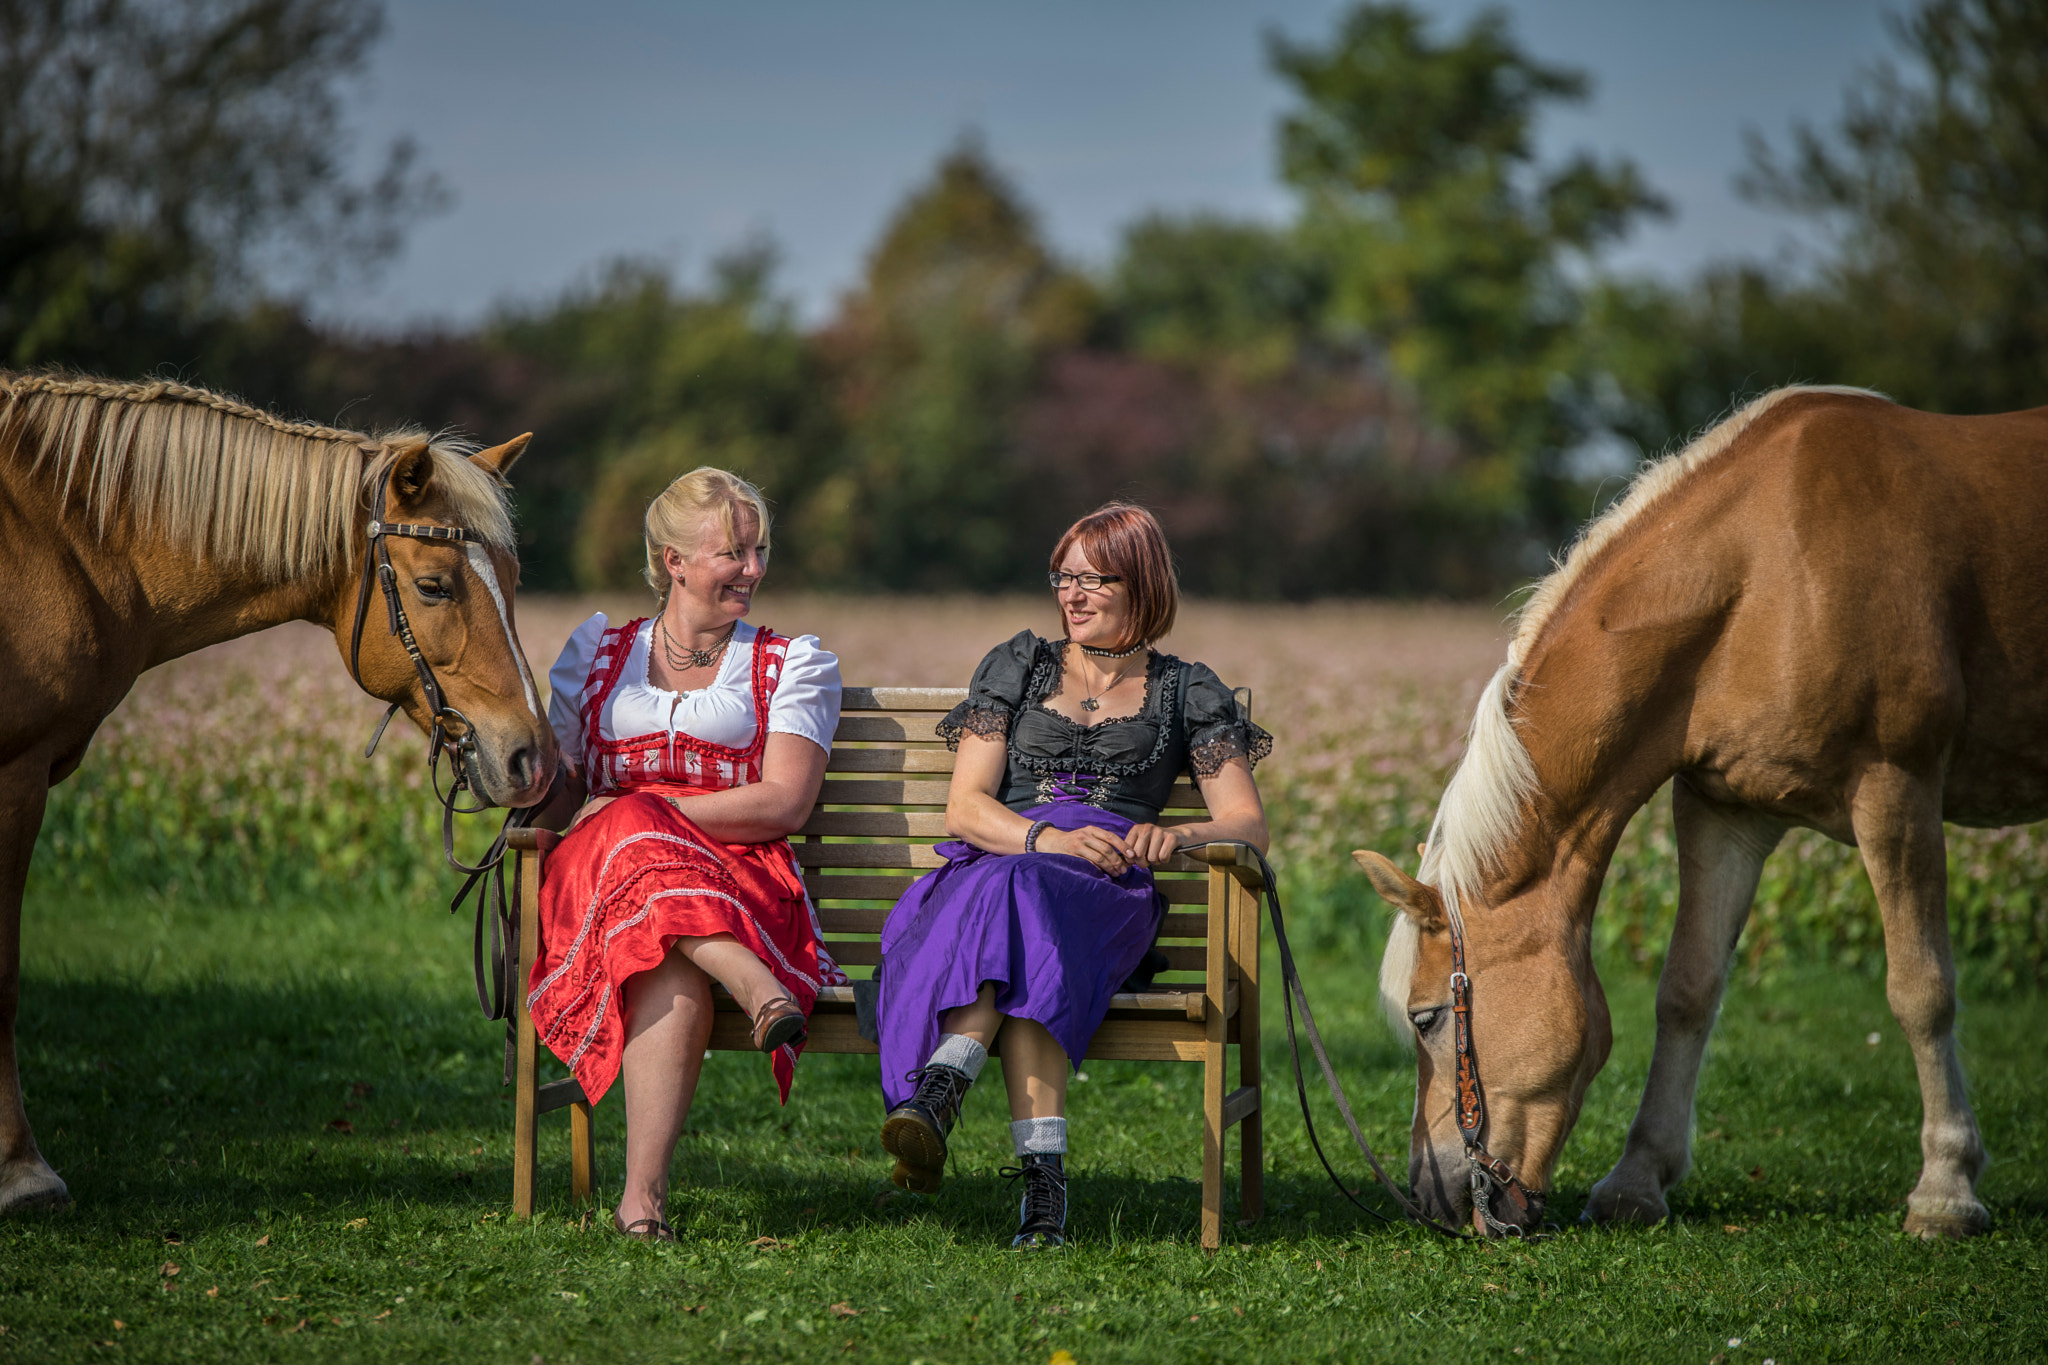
<point>779,1023</point>
<point>644,1229</point>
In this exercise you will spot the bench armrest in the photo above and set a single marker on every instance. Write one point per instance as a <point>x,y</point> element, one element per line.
<point>523,840</point>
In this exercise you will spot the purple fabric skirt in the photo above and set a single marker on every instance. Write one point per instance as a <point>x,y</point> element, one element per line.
<point>1055,933</point>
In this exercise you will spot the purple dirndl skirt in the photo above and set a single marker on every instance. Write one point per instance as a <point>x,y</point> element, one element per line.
<point>1055,933</point>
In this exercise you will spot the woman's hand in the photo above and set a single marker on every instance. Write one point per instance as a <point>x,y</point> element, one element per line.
<point>1152,844</point>
<point>1097,846</point>
<point>590,808</point>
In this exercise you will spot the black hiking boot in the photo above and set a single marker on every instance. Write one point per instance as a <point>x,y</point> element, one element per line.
<point>1042,1213</point>
<point>915,1131</point>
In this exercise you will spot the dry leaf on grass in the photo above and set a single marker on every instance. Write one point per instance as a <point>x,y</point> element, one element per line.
<point>844,1310</point>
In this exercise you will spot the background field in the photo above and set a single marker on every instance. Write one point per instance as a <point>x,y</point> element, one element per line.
<point>250,1047</point>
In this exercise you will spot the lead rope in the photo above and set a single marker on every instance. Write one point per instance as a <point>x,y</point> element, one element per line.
<point>1293,995</point>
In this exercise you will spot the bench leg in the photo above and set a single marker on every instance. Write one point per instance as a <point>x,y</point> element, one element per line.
<point>525,1077</point>
<point>582,1164</point>
<point>1251,1169</point>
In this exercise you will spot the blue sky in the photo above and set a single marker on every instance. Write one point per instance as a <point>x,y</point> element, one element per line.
<point>571,133</point>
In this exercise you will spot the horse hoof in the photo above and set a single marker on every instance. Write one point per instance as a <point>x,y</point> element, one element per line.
<point>1619,1206</point>
<point>1948,1225</point>
<point>41,1191</point>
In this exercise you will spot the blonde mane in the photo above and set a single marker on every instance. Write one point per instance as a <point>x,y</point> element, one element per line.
<point>1480,813</point>
<point>230,482</point>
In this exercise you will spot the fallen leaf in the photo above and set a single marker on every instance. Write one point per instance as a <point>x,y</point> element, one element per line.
<point>843,1310</point>
<point>120,1326</point>
<point>269,1318</point>
<point>340,1126</point>
<point>476,1151</point>
<point>1491,1285</point>
<point>361,1089</point>
<point>758,1315</point>
<point>168,1269</point>
<point>1235,1309</point>
<point>1756,1173</point>
<point>213,1293</point>
<point>264,1240</point>
<point>1061,1358</point>
<point>173,1238</point>
<point>1194,1317</point>
<point>357,1223</point>
<point>696,1308</point>
<point>381,1316</point>
<point>300,1328</point>
<point>335,1321</point>
<point>1732,1228</point>
<point>764,1242</point>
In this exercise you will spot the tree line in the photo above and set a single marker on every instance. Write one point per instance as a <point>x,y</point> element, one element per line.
<point>1417,385</point>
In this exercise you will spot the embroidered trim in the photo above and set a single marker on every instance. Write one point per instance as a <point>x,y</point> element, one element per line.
<point>1245,741</point>
<point>1162,699</point>
<point>990,720</point>
<point>615,765</point>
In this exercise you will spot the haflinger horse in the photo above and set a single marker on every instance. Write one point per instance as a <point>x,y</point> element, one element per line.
<point>139,522</point>
<point>1825,612</point>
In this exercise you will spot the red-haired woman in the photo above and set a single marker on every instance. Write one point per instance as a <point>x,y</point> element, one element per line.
<point>1067,752</point>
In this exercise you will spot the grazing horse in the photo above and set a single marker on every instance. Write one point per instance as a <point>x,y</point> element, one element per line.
<point>139,522</point>
<point>1825,612</point>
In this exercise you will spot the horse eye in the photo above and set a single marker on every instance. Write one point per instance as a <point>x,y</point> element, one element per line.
<point>1425,1020</point>
<point>431,589</point>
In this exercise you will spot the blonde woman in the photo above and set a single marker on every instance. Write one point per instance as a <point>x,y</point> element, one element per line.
<point>695,744</point>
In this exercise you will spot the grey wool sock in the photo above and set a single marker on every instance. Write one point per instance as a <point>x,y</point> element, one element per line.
<point>1039,1137</point>
<point>961,1053</point>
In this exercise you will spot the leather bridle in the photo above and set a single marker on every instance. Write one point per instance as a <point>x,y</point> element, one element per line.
<point>1489,1175</point>
<point>453,733</point>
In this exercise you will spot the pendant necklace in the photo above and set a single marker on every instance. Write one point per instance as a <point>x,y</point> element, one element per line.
<point>681,657</point>
<point>1094,703</point>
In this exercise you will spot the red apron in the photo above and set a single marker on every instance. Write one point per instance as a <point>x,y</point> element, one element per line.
<point>632,879</point>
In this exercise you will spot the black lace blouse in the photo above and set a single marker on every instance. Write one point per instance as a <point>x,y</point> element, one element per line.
<point>1129,765</point>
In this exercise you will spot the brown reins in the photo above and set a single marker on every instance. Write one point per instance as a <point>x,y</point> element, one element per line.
<point>495,984</point>
<point>1489,1174</point>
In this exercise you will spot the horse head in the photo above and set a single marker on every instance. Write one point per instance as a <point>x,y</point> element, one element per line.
<point>1538,1034</point>
<point>442,621</point>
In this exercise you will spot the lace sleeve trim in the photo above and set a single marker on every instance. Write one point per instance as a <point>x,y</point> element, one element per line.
<point>984,718</point>
<point>1245,741</point>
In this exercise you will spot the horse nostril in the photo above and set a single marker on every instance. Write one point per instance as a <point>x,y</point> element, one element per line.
<point>522,767</point>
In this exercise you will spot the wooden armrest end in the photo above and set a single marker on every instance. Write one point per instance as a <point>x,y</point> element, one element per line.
<point>523,840</point>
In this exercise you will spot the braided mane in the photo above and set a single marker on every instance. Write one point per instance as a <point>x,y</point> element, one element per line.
<point>233,483</point>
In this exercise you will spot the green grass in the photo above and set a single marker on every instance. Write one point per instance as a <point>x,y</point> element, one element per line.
<point>185,1062</point>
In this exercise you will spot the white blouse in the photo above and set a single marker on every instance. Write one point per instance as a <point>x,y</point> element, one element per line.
<point>806,700</point>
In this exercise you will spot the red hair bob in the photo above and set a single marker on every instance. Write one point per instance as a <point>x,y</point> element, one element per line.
<point>1125,539</point>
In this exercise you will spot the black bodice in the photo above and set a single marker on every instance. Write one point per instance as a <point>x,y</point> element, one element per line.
<point>1189,720</point>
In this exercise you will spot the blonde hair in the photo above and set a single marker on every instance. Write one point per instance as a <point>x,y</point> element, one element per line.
<point>679,516</point>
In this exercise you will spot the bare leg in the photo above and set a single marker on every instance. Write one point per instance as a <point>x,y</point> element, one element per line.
<point>1898,826</point>
<point>668,1023</point>
<point>26,1180</point>
<point>1721,852</point>
<point>1035,1069</point>
<point>978,1020</point>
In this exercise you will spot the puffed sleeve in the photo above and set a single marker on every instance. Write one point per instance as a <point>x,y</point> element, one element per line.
<point>806,700</point>
<point>565,688</point>
<point>1217,730</point>
<point>996,693</point>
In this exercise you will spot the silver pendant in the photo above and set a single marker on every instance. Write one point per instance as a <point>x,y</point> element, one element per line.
<point>1090,704</point>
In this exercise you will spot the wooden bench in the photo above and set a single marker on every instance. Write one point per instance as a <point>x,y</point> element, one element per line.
<point>880,811</point>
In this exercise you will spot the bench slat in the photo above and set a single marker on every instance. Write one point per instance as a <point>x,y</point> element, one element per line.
<point>941,699</point>
<point>886,886</point>
<point>908,855</point>
<point>844,760</point>
<point>852,791</point>
<point>885,729</point>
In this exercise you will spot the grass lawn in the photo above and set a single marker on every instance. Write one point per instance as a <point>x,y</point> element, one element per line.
<point>284,1131</point>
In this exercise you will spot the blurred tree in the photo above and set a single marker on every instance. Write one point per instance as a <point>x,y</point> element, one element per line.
<point>1203,289</point>
<point>1449,246</point>
<point>936,352</point>
<point>160,163</point>
<point>1934,186</point>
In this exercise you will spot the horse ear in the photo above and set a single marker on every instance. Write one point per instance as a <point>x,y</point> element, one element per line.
<point>1417,900</point>
<point>498,460</point>
<point>412,469</point>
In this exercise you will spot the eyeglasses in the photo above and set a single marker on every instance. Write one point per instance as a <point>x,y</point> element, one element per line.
<point>1086,582</point>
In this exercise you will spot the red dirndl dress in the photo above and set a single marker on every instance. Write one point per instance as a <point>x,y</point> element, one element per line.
<point>638,875</point>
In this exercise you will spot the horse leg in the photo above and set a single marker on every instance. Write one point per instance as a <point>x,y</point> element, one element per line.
<point>1721,852</point>
<point>26,1180</point>
<point>1897,818</point>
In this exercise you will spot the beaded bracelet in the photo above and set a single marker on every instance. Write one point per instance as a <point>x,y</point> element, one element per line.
<point>1031,835</point>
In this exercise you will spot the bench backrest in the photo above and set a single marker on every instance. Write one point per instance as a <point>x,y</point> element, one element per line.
<point>883,807</point>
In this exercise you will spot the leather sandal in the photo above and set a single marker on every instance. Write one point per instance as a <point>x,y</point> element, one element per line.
<point>643,1229</point>
<point>779,1023</point>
